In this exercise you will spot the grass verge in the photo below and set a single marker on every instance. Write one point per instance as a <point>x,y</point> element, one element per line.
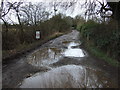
<point>101,55</point>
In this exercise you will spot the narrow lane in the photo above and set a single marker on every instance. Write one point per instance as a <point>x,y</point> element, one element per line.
<point>60,63</point>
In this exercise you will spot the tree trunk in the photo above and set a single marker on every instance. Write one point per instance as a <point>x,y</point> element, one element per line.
<point>6,26</point>
<point>21,29</point>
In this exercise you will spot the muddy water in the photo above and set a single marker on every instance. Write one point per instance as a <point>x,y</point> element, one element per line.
<point>44,57</point>
<point>48,56</point>
<point>68,76</point>
<point>64,76</point>
<point>73,52</point>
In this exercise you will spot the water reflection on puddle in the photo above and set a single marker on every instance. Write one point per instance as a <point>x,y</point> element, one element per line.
<point>74,50</point>
<point>68,76</point>
<point>47,56</point>
<point>44,57</point>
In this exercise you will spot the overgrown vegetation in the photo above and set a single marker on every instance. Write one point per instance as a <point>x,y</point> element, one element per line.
<point>102,35</point>
<point>12,40</point>
<point>20,34</point>
<point>102,39</point>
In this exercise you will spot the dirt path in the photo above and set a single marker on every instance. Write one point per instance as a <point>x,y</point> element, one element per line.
<point>54,65</point>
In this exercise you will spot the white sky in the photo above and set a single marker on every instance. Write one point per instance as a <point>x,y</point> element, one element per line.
<point>77,9</point>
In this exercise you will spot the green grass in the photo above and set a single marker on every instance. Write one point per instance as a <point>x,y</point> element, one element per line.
<point>98,53</point>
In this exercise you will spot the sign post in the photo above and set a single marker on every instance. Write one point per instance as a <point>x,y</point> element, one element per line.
<point>37,34</point>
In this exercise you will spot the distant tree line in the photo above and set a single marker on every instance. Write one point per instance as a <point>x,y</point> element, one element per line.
<point>31,17</point>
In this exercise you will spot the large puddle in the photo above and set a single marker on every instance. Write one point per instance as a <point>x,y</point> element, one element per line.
<point>74,50</point>
<point>65,76</point>
<point>68,76</point>
<point>47,56</point>
<point>44,57</point>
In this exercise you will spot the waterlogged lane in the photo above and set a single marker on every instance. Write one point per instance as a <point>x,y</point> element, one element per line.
<point>48,56</point>
<point>64,67</point>
<point>44,57</point>
<point>74,52</point>
<point>60,63</point>
<point>68,76</point>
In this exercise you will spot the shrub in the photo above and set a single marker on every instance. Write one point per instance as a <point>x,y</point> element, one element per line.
<point>104,36</point>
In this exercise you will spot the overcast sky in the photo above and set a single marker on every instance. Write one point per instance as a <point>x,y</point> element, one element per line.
<point>77,10</point>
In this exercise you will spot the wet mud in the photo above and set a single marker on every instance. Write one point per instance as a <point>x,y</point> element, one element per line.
<point>59,63</point>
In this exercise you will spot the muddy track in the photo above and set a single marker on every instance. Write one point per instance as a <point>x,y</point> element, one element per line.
<point>53,65</point>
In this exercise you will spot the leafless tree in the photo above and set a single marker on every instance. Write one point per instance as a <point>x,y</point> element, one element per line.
<point>16,8</point>
<point>4,10</point>
<point>63,6</point>
<point>34,13</point>
<point>96,8</point>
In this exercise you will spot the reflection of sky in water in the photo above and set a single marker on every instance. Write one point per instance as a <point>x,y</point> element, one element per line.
<point>47,56</point>
<point>65,76</point>
<point>73,52</point>
<point>68,76</point>
<point>44,57</point>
